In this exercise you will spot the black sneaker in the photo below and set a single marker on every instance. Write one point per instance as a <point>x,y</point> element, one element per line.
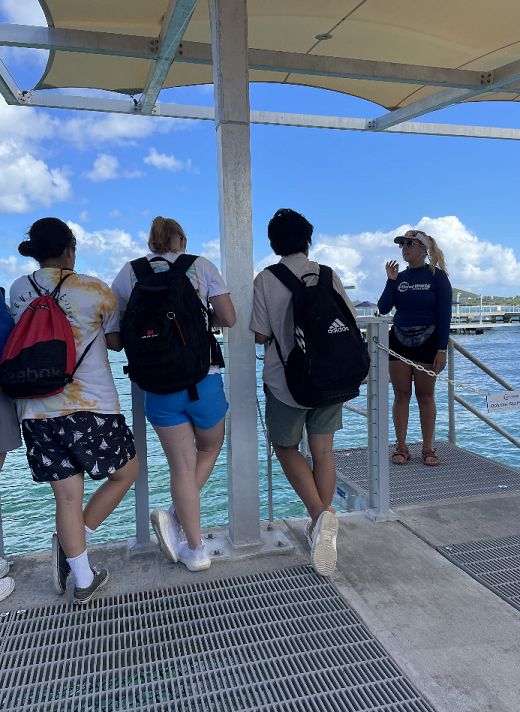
<point>60,566</point>
<point>83,595</point>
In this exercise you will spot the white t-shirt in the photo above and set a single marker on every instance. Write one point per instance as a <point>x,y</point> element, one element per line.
<point>203,274</point>
<point>273,315</point>
<point>91,309</point>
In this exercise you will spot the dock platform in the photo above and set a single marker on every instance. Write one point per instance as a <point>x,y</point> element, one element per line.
<point>399,627</point>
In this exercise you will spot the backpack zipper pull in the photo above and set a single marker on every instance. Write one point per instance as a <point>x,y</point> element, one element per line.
<point>172,316</point>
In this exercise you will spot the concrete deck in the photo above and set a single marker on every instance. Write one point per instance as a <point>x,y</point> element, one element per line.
<point>458,643</point>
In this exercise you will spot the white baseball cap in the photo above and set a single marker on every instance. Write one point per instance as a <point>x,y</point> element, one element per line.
<point>417,234</point>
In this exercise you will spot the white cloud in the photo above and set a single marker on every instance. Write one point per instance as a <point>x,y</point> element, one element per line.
<point>170,163</point>
<point>105,168</point>
<point>25,180</point>
<point>473,264</point>
<point>119,129</point>
<point>104,252</point>
<point>114,214</point>
<point>144,213</point>
<point>211,250</point>
<point>133,174</point>
<point>11,270</point>
<point>83,216</point>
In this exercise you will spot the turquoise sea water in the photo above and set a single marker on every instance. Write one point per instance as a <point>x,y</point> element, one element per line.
<point>28,508</point>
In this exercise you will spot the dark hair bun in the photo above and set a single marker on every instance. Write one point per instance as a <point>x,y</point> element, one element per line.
<point>27,249</point>
<point>48,238</point>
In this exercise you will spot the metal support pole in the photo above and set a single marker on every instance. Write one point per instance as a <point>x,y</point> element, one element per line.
<point>378,421</point>
<point>269,481</point>
<point>452,437</point>
<point>232,115</point>
<point>2,551</point>
<point>142,525</point>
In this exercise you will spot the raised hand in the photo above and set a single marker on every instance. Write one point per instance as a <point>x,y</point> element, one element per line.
<point>392,269</point>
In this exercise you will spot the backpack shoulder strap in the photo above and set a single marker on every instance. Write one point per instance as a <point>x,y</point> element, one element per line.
<point>55,292</point>
<point>325,276</point>
<point>34,285</point>
<point>143,270</point>
<point>183,263</point>
<point>286,277</point>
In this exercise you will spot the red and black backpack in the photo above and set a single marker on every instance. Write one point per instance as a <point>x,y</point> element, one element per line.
<point>39,358</point>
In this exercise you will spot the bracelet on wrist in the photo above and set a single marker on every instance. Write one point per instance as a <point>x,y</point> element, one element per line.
<point>441,351</point>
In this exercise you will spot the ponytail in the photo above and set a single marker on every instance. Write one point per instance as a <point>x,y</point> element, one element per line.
<point>162,232</point>
<point>436,256</point>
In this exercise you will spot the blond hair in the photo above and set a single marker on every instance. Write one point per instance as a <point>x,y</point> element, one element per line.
<point>162,233</point>
<point>436,256</point>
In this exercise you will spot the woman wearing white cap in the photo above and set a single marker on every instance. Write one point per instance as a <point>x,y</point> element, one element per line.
<point>422,296</point>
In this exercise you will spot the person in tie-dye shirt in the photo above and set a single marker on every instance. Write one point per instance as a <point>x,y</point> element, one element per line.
<point>80,429</point>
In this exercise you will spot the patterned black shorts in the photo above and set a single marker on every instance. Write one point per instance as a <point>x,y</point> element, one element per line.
<point>58,448</point>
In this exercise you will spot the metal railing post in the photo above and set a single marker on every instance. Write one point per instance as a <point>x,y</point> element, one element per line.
<point>452,436</point>
<point>372,416</point>
<point>142,500</point>
<point>378,421</point>
<point>269,481</point>
<point>2,551</point>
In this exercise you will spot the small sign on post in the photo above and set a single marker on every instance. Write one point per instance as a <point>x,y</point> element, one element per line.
<point>503,401</point>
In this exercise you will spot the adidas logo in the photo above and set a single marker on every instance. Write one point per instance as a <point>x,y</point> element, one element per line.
<point>337,326</point>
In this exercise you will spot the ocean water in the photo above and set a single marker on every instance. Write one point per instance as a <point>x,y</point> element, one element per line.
<point>28,508</point>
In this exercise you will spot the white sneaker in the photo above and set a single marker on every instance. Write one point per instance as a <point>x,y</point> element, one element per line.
<point>323,548</point>
<point>6,587</point>
<point>195,559</point>
<point>4,568</point>
<point>167,531</point>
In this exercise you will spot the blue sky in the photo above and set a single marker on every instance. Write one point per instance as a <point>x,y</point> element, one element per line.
<point>109,175</point>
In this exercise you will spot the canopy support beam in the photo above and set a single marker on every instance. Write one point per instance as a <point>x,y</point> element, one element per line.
<point>491,81</point>
<point>270,118</point>
<point>231,80</point>
<point>8,87</point>
<point>117,45</point>
<point>175,23</point>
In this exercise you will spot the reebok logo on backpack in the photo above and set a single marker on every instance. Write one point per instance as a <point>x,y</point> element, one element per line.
<point>329,359</point>
<point>39,358</point>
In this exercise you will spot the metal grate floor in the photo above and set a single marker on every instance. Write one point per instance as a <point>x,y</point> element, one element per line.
<point>494,563</point>
<point>276,641</point>
<point>460,474</point>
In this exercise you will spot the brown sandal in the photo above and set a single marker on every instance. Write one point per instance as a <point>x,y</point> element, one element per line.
<point>432,456</point>
<point>402,453</point>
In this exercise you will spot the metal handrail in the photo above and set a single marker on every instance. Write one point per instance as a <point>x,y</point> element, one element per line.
<point>453,397</point>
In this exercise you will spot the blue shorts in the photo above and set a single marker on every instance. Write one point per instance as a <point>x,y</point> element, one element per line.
<point>176,408</point>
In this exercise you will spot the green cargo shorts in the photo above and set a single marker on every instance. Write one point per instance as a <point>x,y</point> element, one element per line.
<point>285,423</point>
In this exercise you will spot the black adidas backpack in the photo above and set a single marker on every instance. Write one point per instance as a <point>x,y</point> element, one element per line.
<point>166,330</point>
<point>329,359</point>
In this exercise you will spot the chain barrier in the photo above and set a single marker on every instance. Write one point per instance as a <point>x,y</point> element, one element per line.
<point>429,372</point>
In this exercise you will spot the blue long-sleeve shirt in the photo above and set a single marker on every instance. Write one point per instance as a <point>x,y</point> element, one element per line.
<point>420,299</point>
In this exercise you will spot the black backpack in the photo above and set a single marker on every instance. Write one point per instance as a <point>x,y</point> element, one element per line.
<point>329,359</point>
<point>166,330</point>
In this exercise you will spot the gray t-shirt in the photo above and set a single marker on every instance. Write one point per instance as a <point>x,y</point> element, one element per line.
<point>273,314</point>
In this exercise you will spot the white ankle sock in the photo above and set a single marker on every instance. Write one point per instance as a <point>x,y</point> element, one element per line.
<point>81,570</point>
<point>88,532</point>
